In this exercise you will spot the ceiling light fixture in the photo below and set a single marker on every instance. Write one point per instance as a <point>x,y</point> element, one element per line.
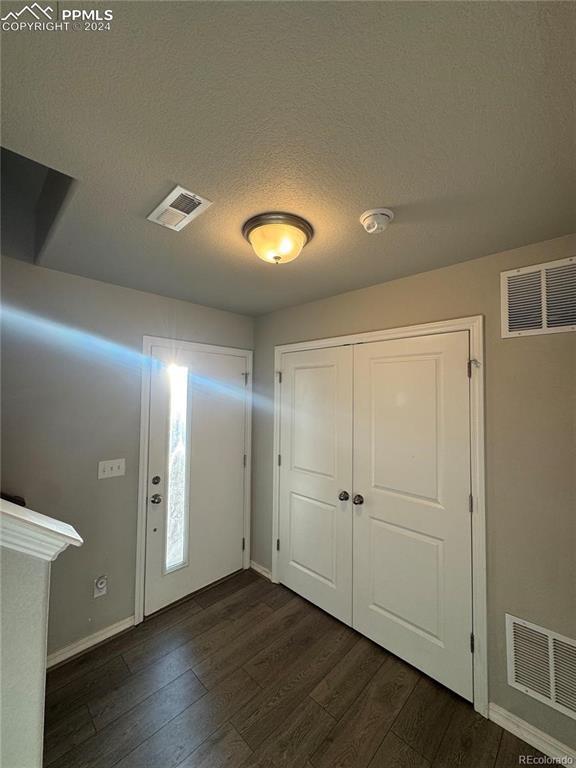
<point>277,237</point>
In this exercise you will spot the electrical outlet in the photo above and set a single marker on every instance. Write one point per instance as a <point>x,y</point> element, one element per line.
<point>100,586</point>
<point>111,468</point>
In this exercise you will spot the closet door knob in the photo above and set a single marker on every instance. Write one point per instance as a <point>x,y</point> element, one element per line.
<point>358,499</point>
<point>343,495</point>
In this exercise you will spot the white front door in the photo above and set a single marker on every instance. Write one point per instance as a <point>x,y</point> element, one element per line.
<point>412,533</point>
<point>315,557</point>
<point>196,468</point>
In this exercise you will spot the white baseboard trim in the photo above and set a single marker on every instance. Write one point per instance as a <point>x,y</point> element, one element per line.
<point>87,642</point>
<point>531,735</point>
<point>261,570</point>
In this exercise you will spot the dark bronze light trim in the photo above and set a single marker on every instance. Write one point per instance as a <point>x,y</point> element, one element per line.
<point>278,217</point>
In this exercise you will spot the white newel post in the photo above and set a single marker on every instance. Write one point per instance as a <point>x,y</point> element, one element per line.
<point>29,542</point>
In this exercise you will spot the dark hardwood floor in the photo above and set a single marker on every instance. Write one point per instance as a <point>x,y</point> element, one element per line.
<point>248,674</point>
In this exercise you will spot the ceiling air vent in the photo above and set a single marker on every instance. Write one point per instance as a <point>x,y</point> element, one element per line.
<point>178,209</point>
<point>539,299</point>
<point>542,664</point>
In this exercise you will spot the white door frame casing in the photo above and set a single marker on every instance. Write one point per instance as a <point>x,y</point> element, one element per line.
<point>190,346</point>
<point>475,327</point>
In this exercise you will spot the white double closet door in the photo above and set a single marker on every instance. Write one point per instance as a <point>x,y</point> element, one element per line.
<point>374,523</point>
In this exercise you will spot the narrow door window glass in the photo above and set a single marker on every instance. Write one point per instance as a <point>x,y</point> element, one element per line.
<point>176,502</point>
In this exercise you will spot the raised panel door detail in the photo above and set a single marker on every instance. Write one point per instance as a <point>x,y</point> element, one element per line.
<point>404,421</point>
<point>313,426</point>
<point>418,603</point>
<point>312,537</point>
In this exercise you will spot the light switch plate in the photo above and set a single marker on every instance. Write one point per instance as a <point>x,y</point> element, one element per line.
<point>111,468</point>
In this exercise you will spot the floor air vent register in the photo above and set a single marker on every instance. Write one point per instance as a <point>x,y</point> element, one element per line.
<point>542,664</point>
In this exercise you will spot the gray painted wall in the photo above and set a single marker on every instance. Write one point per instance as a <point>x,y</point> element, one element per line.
<point>24,600</point>
<point>69,401</point>
<point>530,441</point>
<point>71,397</point>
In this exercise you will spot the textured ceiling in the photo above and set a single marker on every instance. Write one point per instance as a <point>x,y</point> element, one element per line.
<point>458,116</point>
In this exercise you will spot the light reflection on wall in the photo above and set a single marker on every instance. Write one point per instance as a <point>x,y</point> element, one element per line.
<point>69,340</point>
<point>98,349</point>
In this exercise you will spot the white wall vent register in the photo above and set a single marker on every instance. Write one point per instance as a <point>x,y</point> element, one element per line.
<point>539,299</point>
<point>178,209</point>
<point>542,664</point>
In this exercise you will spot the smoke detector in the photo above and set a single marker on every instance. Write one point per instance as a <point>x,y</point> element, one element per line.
<point>178,209</point>
<point>376,220</point>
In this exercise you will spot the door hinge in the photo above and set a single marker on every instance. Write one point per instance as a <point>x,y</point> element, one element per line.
<point>278,545</point>
<point>244,460</point>
<point>473,363</point>
<point>243,544</point>
<point>471,503</point>
<point>471,642</point>
<point>279,377</point>
<point>279,460</point>
<point>245,374</point>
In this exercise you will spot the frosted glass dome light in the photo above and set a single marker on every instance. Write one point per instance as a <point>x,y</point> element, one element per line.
<point>277,237</point>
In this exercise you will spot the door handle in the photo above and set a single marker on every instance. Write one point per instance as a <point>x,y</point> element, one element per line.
<point>343,495</point>
<point>358,499</point>
<point>156,499</point>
